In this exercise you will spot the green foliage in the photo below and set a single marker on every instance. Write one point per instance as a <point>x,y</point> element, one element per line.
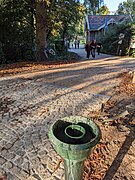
<point>60,46</point>
<point>132,53</point>
<point>94,6</point>
<point>17,19</point>
<point>111,38</point>
<point>2,55</point>
<point>16,30</point>
<point>127,7</point>
<point>103,10</point>
<point>59,20</point>
<point>64,18</point>
<point>56,20</point>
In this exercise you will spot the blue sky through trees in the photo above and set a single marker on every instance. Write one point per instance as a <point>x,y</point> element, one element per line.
<point>112,4</point>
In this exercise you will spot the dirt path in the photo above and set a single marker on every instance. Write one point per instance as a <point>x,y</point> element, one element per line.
<point>98,75</point>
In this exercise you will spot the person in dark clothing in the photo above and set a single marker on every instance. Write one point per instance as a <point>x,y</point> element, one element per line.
<point>78,43</point>
<point>88,49</point>
<point>75,42</point>
<point>99,45</point>
<point>93,48</point>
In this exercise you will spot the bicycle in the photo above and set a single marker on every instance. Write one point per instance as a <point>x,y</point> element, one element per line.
<point>49,51</point>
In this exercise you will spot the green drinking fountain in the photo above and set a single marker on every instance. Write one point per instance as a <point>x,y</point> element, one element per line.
<point>73,138</point>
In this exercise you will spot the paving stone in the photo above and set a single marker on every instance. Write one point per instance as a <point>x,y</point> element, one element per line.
<point>51,166</point>
<point>37,176</point>
<point>46,175</point>
<point>9,156</point>
<point>44,159</point>
<point>42,152</point>
<point>18,161</point>
<point>31,107</point>
<point>32,154</point>
<point>2,171</point>
<point>3,142</point>
<point>14,148</point>
<point>2,161</point>
<point>59,173</point>
<point>26,166</point>
<point>11,176</point>
<point>21,152</point>
<point>8,145</point>
<point>15,170</point>
<point>29,146</point>
<point>8,165</point>
<point>36,139</point>
<point>4,153</point>
<point>23,175</point>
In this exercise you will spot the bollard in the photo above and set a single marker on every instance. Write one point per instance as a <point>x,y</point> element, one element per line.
<point>73,138</point>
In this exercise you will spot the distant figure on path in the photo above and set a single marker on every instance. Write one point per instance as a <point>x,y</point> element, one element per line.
<point>93,48</point>
<point>72,43</point>
<point>75,42</point>
<point>67,44</point>
<point>99,45</point>
<point>88,49</point>
<point>78,43</point>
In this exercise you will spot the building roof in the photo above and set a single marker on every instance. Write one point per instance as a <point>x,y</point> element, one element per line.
<point>96,22</point>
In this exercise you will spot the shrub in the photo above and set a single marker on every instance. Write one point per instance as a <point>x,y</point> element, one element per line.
<point>111,38</point>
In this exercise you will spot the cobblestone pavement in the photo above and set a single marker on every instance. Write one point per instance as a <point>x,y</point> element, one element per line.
<point>27,108</point>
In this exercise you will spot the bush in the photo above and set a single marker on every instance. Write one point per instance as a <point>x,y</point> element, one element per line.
<point>2,55</point>
<point>111,38</point>
<point>60,46</point>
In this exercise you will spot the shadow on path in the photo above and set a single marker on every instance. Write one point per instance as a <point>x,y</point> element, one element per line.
<point>120,156</point>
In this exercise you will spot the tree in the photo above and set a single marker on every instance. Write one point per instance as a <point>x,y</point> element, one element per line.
<point>54,15</point>
<point>26,23</point>
<point>127,7</point>
<point>71,16</point>
<point>103,10</point>
<point>16,30</point>
<point>41,28</point>
<point>92,6</point>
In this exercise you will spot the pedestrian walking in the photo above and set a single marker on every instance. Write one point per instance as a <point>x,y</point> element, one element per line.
<point>93,48</point>
<point>75,42</point>
<point>72,43</point>
<point>67,44</point>
<point>99,45</point>
<point>78,43</point>
<point>88,49</point>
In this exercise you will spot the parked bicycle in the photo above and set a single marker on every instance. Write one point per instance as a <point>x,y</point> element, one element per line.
<point>49,51</point>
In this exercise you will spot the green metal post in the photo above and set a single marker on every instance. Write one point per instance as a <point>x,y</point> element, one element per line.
<point>73,138</point>
<point>73,170</point>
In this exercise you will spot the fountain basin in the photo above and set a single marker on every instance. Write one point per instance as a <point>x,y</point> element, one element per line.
<point>73,138</point>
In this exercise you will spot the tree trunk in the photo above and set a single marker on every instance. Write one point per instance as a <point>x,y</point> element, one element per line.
<point>32,27</point>
<point>41,42</point>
